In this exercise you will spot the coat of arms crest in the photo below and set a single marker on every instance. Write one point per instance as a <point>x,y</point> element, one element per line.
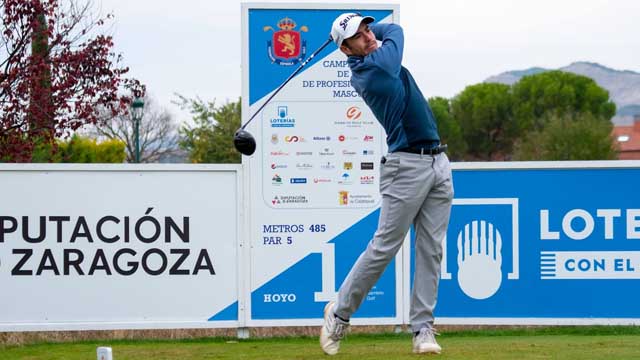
<point>286,46</point>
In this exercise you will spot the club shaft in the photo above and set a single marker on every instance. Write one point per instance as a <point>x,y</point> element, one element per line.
<point>288,79</point>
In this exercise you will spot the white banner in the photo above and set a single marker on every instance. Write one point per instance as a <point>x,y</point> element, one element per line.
<point>96,247</point>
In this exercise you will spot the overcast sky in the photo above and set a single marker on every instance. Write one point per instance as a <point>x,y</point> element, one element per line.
<point>192,47</point>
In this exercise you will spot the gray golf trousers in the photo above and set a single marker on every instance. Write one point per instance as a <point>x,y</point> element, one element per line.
<point>416,189</point>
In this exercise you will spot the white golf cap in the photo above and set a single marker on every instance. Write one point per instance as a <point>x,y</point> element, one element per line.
<point>346,25</point>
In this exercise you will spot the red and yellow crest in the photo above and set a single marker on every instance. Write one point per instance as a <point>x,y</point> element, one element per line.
<point>286,46</point>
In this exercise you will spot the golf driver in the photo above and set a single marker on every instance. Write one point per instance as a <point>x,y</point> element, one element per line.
<point>243,140</point>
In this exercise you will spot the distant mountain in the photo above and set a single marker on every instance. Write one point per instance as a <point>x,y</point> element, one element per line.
<point>623,85</point>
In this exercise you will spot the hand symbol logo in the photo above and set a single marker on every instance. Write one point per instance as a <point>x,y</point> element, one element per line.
<point>479,259</point>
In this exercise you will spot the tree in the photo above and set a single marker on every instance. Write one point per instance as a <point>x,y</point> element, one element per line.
<point>158,132</point>
<point>579,136</point>
<point>484,114</point>
<point>565,117</point>
<point>539,96</point>
<point>210,139</point>
<point>55,73</point>
<point>449,129</point>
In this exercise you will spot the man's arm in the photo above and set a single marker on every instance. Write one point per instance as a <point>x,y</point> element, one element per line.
<point>389,55</point>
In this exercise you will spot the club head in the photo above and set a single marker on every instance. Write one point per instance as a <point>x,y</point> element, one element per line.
<point>244,142</point>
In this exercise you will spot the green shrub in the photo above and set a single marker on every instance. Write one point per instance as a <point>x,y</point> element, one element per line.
<point>80,149</point>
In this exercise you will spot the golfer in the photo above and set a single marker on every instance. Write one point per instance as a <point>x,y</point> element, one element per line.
<point>415,180</point>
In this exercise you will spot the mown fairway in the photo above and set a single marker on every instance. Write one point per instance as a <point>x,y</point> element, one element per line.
<point>544,343</point>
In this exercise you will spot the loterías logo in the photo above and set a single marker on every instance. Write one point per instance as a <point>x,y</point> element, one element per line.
<point>483,240</point>
<point>286,46</point>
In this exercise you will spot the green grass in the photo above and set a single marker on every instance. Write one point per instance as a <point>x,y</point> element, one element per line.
<point>615,342</point>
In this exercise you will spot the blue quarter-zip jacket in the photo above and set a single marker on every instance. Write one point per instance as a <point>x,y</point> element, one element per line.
<point>390,91</point>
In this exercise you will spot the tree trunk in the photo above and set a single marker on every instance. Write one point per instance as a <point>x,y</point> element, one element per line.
<point>41,111</point>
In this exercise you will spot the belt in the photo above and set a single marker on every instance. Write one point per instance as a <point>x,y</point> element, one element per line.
<point>425,151</point>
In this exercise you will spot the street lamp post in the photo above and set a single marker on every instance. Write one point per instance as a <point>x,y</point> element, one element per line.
<point>136,112</point>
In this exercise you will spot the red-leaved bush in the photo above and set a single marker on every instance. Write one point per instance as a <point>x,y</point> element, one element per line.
<point>56,71</point>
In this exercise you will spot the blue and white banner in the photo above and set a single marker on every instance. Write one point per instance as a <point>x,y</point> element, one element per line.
<point>559,242</point>
<point>314,178</point>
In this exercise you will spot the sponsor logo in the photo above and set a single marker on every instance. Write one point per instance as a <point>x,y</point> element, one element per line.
<point>345,179</point>
<point>367,152</point>
<point>484,237</point>
<point>345,21</point>
<point>326,152</point>
<point>278,166</point>
<point>321,181</point>
<point>274,138</point>
<point>343,197</point>
<point>304,166</point>
<point>366,166</point>
<point>353,118</point>
<point>279,153</point>
<point>298,180</point>
<point>286,46</point>
<point>327,166</point>
<point>289,199</point>
<point>282,118</point>
<point>367,138</point>
<point>276,180</point>
<point>304,153</point>
<point>343,138</point>
<point>321,138</point>
<point>366,180</point>
<point>348,152</point>
<point>354,113</point>
<point>348,166</point>
<point>294,139</point>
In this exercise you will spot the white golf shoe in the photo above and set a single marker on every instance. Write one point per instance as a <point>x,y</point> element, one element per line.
<point>333,330</point>
<point>424,342</point>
